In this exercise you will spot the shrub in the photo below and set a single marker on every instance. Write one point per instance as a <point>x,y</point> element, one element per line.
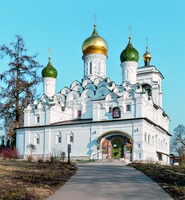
<point>57,155</point>
<point>39,160</point>
<point>9,153</point>
<point>29,158</point>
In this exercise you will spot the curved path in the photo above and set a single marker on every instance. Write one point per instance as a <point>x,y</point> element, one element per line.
<point>109,181</point>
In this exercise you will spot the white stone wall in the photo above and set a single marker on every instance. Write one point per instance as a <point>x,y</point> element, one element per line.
<point>49,85</point>
<point>86,137</point>
<point>129,71</point>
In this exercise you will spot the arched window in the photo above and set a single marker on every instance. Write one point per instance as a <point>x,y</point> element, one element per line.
<point>116,112</point>
<point>152,140</point>
<point>149,139</point>
<point>148,89</point>
<point>90,68</point>
<point>70,138</point>
<point>99,68</point>
<point>110,109</point>
<point>145,137</point>
<point>37,118</point>
<point>156,140</point>
<point>36,139</point>
<point>79,114</point>
<point>59,138</point>
<point>128,108</point>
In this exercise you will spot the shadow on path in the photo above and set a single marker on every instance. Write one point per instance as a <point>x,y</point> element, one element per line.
<point>109,182</point>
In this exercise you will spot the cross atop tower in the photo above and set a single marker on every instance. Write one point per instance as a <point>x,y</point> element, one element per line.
<point>49,53</point>
<point>94,18</point>
<point>130,31</point>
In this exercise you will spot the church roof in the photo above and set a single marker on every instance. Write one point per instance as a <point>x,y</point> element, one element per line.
<point>49,71</point>
<point>129,53</point>
<point>95,44</point>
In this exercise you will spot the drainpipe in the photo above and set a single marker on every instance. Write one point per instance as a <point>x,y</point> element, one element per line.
<point>132,141</point>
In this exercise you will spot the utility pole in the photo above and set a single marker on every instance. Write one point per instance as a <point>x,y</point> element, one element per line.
<point>68,153</point>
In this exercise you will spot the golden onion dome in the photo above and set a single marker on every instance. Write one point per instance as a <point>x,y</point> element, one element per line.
<point>94,44</point>
<point>147,56</point>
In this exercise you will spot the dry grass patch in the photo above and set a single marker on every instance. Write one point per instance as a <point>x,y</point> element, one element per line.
<point>170,178</point>
<point>21,180</point>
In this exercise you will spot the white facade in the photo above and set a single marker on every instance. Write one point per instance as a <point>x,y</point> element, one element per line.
<point>100,118</point>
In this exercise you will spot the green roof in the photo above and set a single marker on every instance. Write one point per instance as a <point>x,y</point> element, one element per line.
<point>49,71</point>
<point>129,53</point>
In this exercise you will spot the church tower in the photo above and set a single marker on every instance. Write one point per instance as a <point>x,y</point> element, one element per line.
<point>129,62</point>
<point>150,79</point>
<point>95,51</point>
<point>49,75</point>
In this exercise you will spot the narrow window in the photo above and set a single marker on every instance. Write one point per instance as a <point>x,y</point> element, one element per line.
<point>149,139</point>
<point>37,119</point>
<point>71,139</point>
<point>37,140</point>
<point>145,137</point>
<point>90,68</point>
<point>110,109</point>
<point>79,113</point>
<point>59,139</point>
<point>99,67</point>
<point>127,108</point>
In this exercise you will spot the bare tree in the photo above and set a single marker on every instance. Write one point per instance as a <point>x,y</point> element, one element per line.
<point>18,84</point>
<point>178,141</point>
<point>32,148</point>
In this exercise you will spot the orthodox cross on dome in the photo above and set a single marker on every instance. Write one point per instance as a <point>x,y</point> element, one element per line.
<point>49,53</point>
<point>146,43</point>
<point>130,32</point>
<point>94,19</point>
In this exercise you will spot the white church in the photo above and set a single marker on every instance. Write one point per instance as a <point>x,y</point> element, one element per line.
<point>97,117</point>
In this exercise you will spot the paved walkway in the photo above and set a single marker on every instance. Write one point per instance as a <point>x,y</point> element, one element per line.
<point>109,181</point>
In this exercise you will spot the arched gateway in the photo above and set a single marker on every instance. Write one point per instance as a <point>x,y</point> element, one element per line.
<point>116,144</point>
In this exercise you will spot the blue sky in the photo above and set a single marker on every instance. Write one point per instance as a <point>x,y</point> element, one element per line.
<point>64,25</point>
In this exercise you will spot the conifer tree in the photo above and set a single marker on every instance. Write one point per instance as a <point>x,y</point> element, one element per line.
<point>17,84</point>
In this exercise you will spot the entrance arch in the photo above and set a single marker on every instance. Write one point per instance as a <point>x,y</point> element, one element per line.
<point>115,144</point>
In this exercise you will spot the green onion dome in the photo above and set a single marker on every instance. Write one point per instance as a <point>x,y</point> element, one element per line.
<point>49,71</point>
<point>129,53</point>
